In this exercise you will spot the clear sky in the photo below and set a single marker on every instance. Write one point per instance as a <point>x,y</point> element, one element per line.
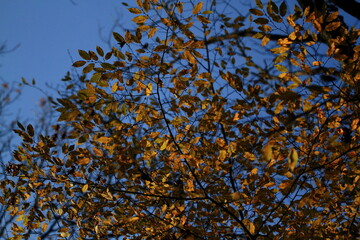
<point>46,31</point>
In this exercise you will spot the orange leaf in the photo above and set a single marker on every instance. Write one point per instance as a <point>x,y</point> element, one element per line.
<point>83,161</point>
<point>139,19</point>
<point>197,8</point>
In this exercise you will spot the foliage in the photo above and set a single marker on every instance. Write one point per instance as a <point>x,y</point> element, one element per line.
<point>185,130</point>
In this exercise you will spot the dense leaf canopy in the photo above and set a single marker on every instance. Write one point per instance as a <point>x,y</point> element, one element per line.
<point>205,121</point>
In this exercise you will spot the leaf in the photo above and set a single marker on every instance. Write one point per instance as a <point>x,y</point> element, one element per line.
<point>332,26</point>
<point>280,50</point>
<point>79,63</point>
<point>20,125</point>
<point>283,9</point>
<point>236,196</point>
<point>118,37</point>
<point>259,3</point>
<point>44,227</point>
<point>88,68</point>
<point>103,140</point>
<point>265,40</point>
<point>285,185</point>
<point>203,19</point>
<point>139,3</point>
<point>134,10</point>
<point>188,56</point>
<point>100,51</point>
<point>256,12</point>
<point>261,21</point>
<point>197,8</point>
<point>281,68</point>
<point>152,32</point>
<point>98,152</point>
<point>83,161</point>
<point>267,152</point>
<point>85,188</point>
<point>108,66</point>
<point>30,130</point>
<point>84,55</point>
<point>293,159</point>
<point>139,19</point>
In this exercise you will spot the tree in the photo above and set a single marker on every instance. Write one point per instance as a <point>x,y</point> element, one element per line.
<point>186,130</point>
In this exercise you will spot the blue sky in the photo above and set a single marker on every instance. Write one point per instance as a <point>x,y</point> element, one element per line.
<point>46,31</point>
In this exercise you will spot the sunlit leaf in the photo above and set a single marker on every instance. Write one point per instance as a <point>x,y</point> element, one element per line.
<point>293,159</point>
<point>197,8</point>
<point>134,10</point>
<point>139,19</point>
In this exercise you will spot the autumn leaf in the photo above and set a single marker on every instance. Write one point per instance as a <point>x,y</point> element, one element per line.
<point>293,159</point>
<point>197,8</point>
<point>268,152</point>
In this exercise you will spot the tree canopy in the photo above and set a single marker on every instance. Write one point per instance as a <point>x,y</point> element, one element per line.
<point>205,121</point>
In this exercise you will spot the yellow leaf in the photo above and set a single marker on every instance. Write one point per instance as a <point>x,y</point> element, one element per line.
<point>254,171</point>
<point>267,152</point>
<point>134,10</point>
<point>222,155</point>
<point>317,63</point>
<point>203,19</point>
<point>332,26</point>
<point>44,227</point>
<point>139,3</point>
<point>180,7</point>
<point>163,208</point>
<point>164,145</point>
<point>104,140</point>
<point>188,56</point>
<point>133,219</point>
<point>251,228</point>
<point>265,40</point>
<point>279,50</point>
<point>197,8</point>
<point>151,32</point>
<point>65,234</point>
<point>249,156</point>
<point>284,41</point>
<point>139,19</point>
<point>98,152</point>
<point>293,159</point>
<point>85,188</point>
<point>148,89</point>
<point>270,184</point>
